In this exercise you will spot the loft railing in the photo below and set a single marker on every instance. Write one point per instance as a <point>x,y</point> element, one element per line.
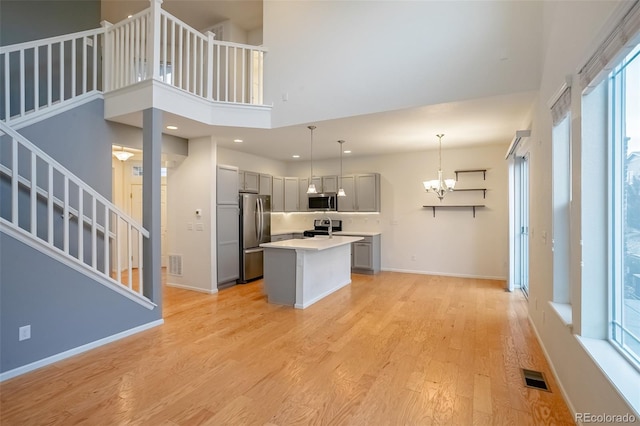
<point>47,206</point>
<point>182,57</point>
<point>152,44</point>
<point>36,75</point>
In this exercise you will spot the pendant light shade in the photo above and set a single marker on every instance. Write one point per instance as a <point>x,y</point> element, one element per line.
<point>312,187</point>
<point>341,192</point>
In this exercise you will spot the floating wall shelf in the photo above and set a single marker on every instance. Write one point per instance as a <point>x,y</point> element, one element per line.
<point>457,206</point>
<point>483,171</point>
<point>484,190</point>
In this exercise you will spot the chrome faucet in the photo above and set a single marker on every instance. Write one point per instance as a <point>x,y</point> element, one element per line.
<point>330,226</point>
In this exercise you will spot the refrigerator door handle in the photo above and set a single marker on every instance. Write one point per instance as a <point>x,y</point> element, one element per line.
<point>256,219</point>
<point>259,228</point>
<point>261,219</point>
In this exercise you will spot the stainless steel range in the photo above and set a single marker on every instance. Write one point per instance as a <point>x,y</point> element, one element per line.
<point>321,227</point>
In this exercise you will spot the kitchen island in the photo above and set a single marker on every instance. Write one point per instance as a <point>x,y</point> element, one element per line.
<point>300,272</point>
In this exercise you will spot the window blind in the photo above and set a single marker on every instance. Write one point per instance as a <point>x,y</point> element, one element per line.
<point>561,106</point>
<point>616,46</point>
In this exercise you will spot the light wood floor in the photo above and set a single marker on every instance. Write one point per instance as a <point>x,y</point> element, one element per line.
<point>393,349</point>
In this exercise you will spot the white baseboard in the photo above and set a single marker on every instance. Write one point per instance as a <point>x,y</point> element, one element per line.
<point>553,370</point>
<point>198,289</point>
<point>75,351</point>
<point>445,274</point>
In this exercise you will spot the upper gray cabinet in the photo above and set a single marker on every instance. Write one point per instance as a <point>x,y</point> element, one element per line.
<point>362,193</point>
<point>368,192</point>
<point>248,181</point>
<point>266,184</point>
<point>329,184</point>
<point>303,197</point>
<point>227,185</point>
<point>291,203</point>
<point>277,195</point>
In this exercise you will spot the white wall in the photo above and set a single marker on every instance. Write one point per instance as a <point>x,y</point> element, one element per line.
<point>572,31</point>
<point>251,162</point>
<point>191,186</point>
<point>347,57</point>
<point>452,243</point>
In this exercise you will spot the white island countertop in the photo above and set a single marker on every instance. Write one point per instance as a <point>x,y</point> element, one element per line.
<point>358,233</point>
<point>317,243</point>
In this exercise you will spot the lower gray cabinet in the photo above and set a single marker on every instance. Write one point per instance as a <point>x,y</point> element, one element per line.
<point>228,244</point>
<point>365,255</point>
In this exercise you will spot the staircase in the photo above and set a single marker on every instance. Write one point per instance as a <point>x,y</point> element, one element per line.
<point>47,208</point>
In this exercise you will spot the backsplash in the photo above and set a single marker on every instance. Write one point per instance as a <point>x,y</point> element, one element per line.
<point>363,222</point>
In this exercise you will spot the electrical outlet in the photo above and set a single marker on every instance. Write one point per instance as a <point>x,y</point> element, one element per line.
<point>24,333</point>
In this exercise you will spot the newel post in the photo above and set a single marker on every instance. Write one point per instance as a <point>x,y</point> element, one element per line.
<point>210,37</point>
<point>153,48</point>
<point>107,56</point>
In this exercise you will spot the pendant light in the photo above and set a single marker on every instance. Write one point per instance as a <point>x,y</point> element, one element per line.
<point>312,187</point>
<point>341,192</point>
<point>439,186</point>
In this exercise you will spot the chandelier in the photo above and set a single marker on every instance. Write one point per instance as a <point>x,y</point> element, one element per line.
<point>439,186</point>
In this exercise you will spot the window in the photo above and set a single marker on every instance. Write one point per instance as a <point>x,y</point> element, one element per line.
<point>561,149</point>
<point>624,116</point>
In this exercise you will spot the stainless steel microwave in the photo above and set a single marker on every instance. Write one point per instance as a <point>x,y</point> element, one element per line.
<point>327,201</point>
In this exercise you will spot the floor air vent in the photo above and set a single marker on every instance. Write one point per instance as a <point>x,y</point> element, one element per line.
<point>175,265</point>
<point>535,379</point>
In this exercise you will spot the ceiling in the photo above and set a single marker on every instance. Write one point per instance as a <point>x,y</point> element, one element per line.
<point>466,123</point>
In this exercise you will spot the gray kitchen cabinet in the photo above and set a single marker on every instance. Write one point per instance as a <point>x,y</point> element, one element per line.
<point>291,194</point>
<point>368,192</point>
<point>227,185</point>
<point>348,202</point>
<point>330,184</point>
<point>266,185</point>
<point>362,193</point>
<point>303,197</point>
<point>228,243</point>
<point>248,181</point>
<point>365,255</point>
<point>325,184</point>
<point>317,181</point>
<point>277,195</point>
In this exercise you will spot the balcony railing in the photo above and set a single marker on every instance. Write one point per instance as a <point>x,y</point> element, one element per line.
<point>152,44</point>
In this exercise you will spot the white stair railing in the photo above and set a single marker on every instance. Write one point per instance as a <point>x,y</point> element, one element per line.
<point>45,203</point>
<point>36,75</point>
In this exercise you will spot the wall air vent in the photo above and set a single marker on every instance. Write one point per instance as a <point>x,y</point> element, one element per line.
<point>535,379</point>
<point>175,265</point>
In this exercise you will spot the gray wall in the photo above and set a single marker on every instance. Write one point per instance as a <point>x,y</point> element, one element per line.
<point>64,308</point>
<point>22,20</point>
<point>80,140</point>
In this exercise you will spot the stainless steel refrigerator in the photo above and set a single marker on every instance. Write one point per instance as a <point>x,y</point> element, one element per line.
<point>255,229</point>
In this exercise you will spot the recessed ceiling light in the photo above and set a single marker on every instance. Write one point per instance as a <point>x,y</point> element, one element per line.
<point>129,16</point>
<point>238,140</point>
<point>347,152</point>
<point>295,156</point>
<point>172,127</point>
